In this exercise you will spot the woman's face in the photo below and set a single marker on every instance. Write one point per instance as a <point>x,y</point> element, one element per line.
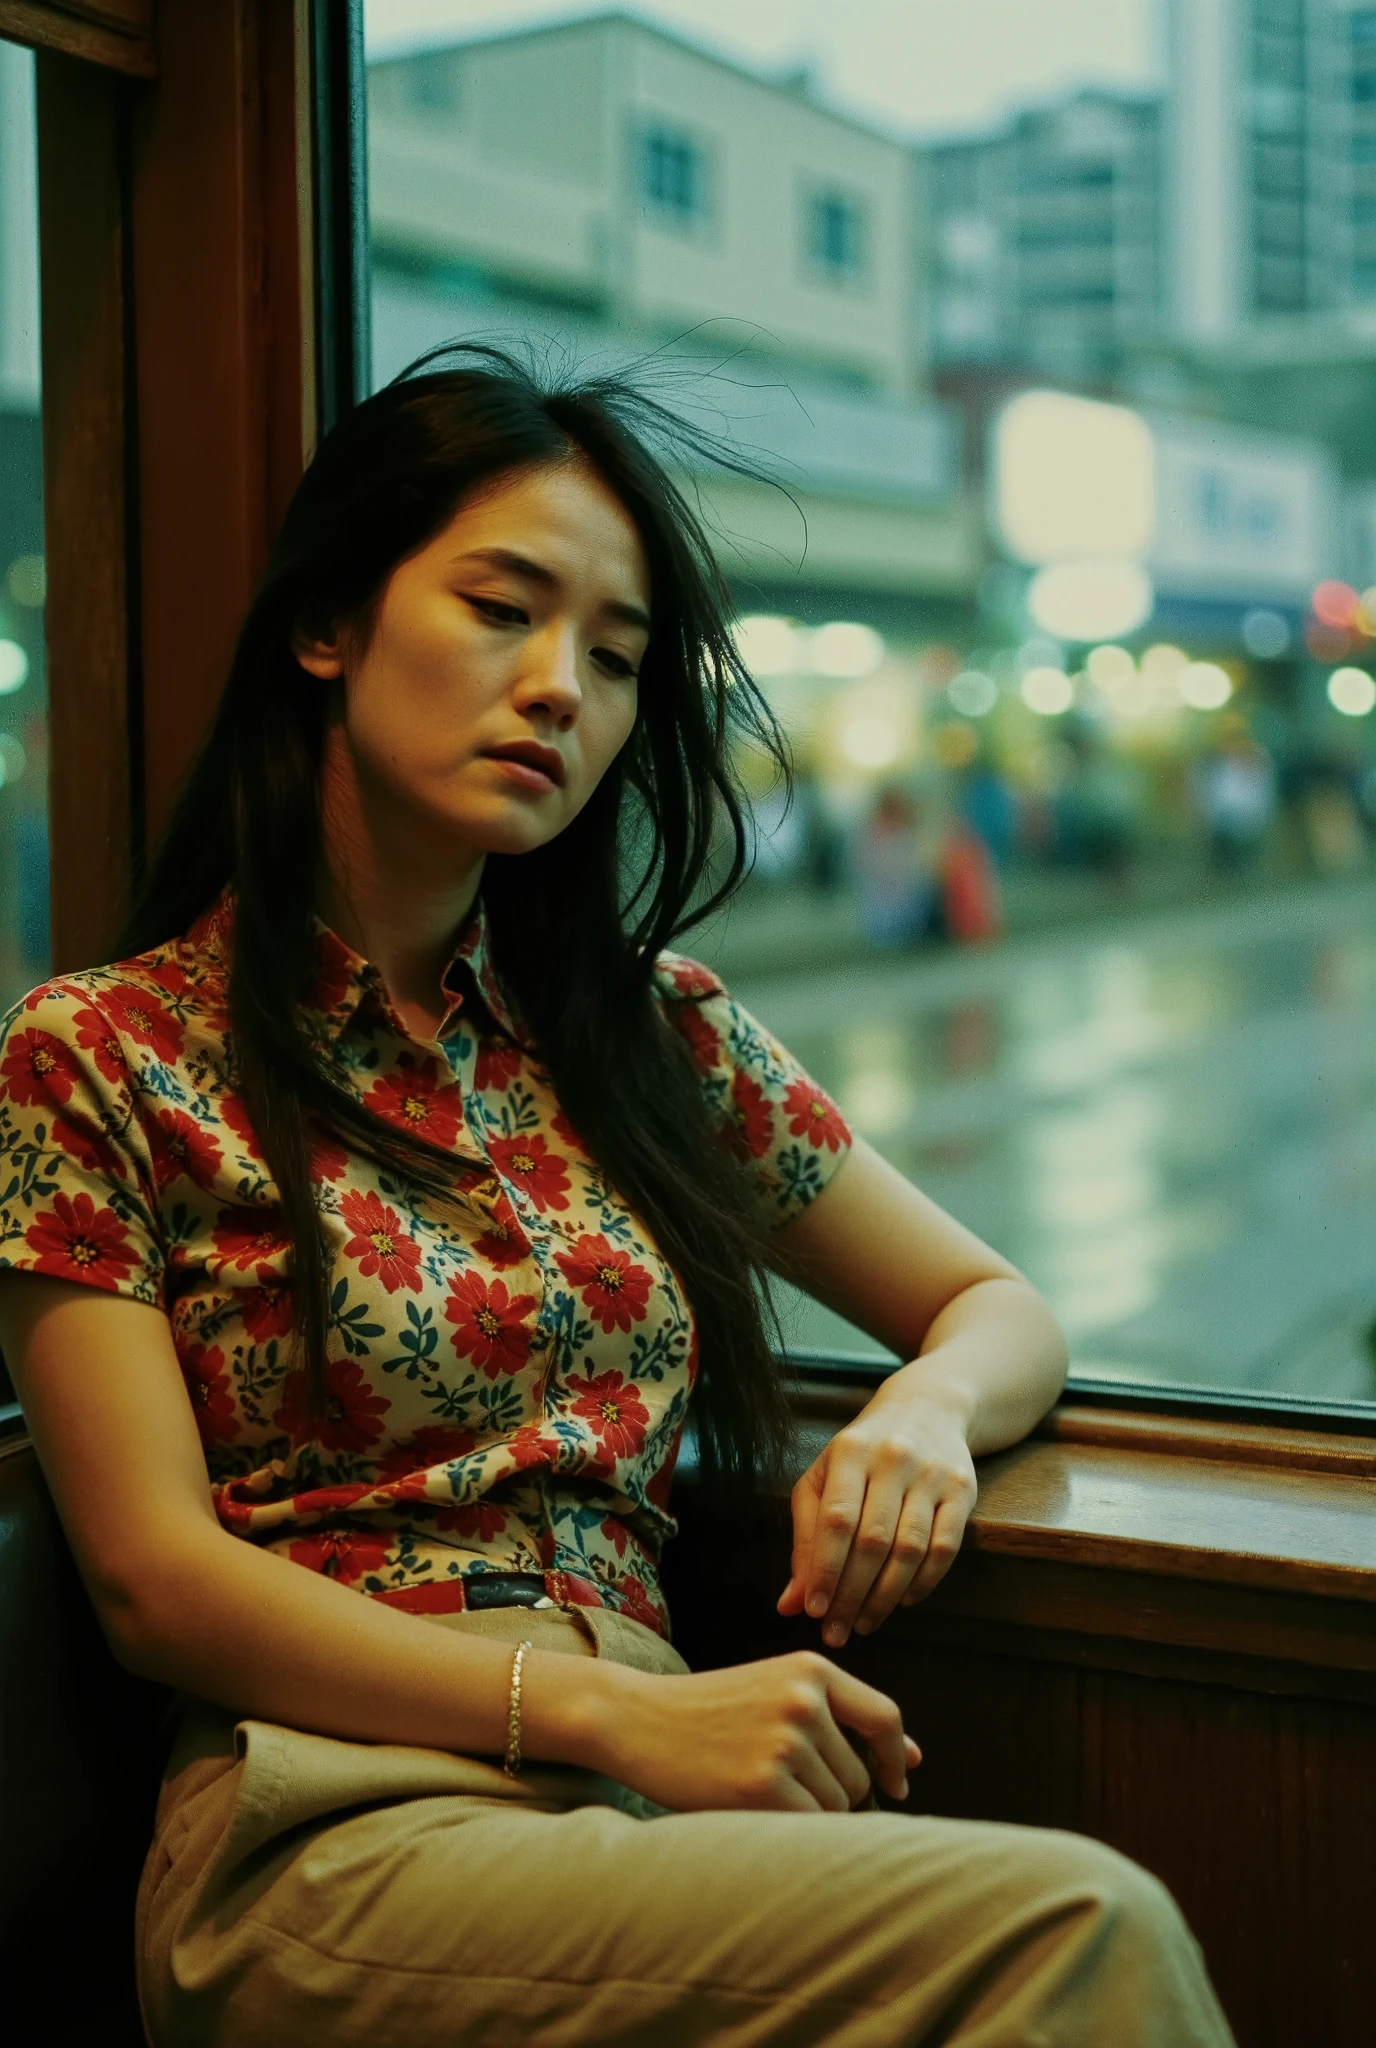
<point>498,682</point>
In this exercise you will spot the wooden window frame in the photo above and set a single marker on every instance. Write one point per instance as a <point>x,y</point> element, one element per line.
<point>204,312</point>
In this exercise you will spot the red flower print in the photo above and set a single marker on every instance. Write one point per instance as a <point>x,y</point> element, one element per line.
<point>564,1129</point>
<point>492,1330</point>
<point>77,1241</point>
<point>142,1017</point>
<point>267,1308</point>
<point>180,1146</point>
<point>86,1145</point>
<point>815,1116</point>
<point>234,1111</point>
<point>352,1418</point>
<point>334,970</point>
<point>616,1533</point>
<point>576,1591</point>
<point>380,1245</point>
<point>703,1042</point>
<point>39,1069</point>
<point>498,1064</point>
<point>415,1099</point>
<point>327,1500</point>
<point>438,1443</point>
<point>503,1243</point>
<point>244,1237</point>
<point>615,1412</point>
<point>637,1605</point>
<point>480,1518</point>
<point>615,1289</point>
<point>329,1159</point>
<point>169,976</point>
<point>339,1553</point>
<point>528,1447</point>
<point>752,1125</point>
<point>691,979</point>
<point>94,1035</point>
<point>530,1163</point>
<point>212,1398</point>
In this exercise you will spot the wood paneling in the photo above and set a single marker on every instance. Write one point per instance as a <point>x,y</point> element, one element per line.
<point>217,212</point>
<point>117,34</point>
<point>1127,1648</point>
<point>84,264</point>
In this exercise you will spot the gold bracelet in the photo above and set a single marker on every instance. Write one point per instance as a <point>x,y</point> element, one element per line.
<point>513,1714</point>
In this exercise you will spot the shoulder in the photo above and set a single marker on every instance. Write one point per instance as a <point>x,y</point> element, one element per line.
<point>120,1016</point>
<point>680,980</point>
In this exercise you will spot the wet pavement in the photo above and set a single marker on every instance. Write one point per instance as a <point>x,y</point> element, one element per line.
<point>1169,1125</point>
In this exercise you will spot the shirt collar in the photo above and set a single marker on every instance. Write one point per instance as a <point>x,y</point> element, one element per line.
<point>345,981</point>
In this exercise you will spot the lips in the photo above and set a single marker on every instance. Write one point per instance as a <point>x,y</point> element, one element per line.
<point>547,761</point>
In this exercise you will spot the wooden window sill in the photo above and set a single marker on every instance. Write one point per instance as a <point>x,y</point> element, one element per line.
<point>1213,1541</point>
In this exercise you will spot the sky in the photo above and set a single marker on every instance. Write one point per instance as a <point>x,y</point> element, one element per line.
<point>915,66</point>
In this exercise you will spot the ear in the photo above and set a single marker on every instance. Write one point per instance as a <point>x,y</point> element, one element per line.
<point>323,658</point>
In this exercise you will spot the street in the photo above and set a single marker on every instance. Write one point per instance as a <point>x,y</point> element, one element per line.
<point>1169,1125</point>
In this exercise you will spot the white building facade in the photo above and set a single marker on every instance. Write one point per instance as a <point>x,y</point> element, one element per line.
<point>607,190</point>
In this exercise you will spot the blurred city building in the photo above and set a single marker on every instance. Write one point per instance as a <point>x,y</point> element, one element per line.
<point>1046,238</point>
<point>609,189</point>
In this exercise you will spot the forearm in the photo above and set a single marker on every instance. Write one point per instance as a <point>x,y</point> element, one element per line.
<point>996,1355</point>
<point>249,1630</point>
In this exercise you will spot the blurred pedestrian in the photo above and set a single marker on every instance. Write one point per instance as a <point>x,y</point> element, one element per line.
<point>1235,789</point>
<point>896,861</point>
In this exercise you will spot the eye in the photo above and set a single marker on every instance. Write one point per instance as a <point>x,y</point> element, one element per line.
<point>615,664</point>
<point>499,613</point>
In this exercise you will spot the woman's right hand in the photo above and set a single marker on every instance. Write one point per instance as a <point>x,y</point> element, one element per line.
<point>767,1735</point>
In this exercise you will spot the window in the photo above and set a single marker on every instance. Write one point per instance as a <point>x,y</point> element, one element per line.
<point>1072,911</point>
<point>673,177</point>
<point>835,236</point>
<point>24,939</point>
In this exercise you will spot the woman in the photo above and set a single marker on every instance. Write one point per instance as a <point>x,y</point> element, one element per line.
<point>377,1214</point>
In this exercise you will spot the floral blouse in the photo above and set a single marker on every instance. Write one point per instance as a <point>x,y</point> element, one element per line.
<point>508,1373</point>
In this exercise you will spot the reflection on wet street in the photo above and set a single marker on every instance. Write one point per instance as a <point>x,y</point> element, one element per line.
<point>1171,1127</point>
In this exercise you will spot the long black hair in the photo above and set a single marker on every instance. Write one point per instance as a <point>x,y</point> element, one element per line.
<point>576,925</point>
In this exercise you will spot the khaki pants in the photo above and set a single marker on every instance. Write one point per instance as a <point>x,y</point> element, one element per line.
<point>307,1893</point>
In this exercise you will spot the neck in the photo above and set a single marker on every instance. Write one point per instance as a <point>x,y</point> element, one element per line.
<point>392,885</point>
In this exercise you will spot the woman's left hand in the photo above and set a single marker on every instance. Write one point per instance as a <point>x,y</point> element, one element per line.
<point>879,1517</point>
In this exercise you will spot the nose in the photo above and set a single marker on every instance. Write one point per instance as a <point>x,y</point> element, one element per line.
<point>548,681</point>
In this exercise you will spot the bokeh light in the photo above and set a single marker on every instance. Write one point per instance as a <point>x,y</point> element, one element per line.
<point>869,740</point>
<point>1073,477</point>
<point>14,667</point>
<point>1090,600</point>
<point>1204,686</point>
<point>1335,604</point>
<point>1266,633</point>
<point>27,581</point>
<point>768,646</point>
<point>844,649</point>
<point>1047,691</point>
<point>972,693</point>
<point>1351,691</point>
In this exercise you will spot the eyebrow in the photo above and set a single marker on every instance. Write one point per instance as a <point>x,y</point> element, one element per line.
<point>536,572</point>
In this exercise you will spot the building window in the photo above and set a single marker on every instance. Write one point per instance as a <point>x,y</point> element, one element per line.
<point>835,236</point>
<point>673,175</point>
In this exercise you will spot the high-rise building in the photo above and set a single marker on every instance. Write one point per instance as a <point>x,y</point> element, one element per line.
<point>1046,249</point>
<point>1270,162</point>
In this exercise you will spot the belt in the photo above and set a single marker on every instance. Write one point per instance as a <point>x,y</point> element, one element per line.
<point>505,1589</point>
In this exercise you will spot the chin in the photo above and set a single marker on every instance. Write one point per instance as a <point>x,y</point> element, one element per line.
<point>508,831</point>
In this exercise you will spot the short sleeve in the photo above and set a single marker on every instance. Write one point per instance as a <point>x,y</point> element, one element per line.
<point>785,1129</point>
<point>76,1198</point>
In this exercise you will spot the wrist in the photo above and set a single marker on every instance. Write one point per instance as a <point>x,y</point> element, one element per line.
<point>573,1709</point>
<point>932,1383</point>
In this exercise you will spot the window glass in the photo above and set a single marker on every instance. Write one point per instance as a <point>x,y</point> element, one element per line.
<point>1054,318</point>
<point>23,694</point>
